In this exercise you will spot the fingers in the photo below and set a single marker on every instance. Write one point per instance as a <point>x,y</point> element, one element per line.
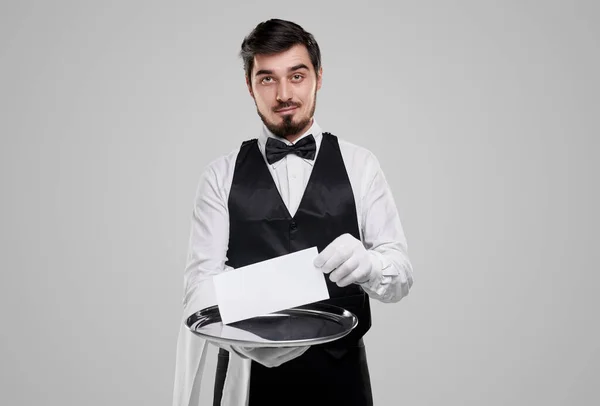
<point>294,353</point>
<point>360,273</point>
<point>345,259</point>
<point>283,355</point>
<point>272,357</point>
<point>324,255</point>
<point>341,243</point>
<point>345,269</point>
<point>332,257</point>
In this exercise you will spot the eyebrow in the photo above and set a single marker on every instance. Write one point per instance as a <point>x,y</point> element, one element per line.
<point>270,72</point>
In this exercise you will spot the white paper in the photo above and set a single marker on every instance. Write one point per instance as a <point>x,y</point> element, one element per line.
<point>265,287</point>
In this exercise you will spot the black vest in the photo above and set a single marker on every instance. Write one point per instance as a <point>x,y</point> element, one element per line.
<point>262,228</point>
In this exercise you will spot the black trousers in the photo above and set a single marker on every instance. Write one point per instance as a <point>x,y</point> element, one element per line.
<point>322,376</point>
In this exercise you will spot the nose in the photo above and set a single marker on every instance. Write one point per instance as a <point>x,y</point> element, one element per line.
<point>284,92</point>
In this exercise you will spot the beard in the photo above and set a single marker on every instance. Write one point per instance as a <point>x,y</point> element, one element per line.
<point>288,126</point>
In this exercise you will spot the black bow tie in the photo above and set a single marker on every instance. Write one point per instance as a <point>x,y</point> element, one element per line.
<point>276,150</point>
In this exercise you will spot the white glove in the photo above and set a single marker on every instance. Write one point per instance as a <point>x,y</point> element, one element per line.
<point>270,357</point>
<point>347,260</point>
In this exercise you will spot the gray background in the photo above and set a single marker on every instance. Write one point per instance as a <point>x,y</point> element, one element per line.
<point>484,116</point>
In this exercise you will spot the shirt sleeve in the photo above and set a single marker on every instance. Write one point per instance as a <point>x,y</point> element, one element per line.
<point>383,237</point>
<point>208,242</point>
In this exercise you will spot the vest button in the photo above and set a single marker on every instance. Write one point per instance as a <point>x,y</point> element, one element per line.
<point>293,226</point>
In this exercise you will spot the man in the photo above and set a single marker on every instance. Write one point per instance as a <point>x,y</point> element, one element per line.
<point>294,187</point>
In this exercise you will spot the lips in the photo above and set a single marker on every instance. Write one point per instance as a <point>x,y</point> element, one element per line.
<point>286,109</point>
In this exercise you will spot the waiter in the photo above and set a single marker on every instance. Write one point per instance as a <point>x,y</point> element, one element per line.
<point>293,186</point>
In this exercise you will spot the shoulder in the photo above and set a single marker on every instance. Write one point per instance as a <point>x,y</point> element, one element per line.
<point>362,166</point>
<point>356,152</point>
<point>359,160</point>
<point>221,166</point>
<point>217,174</point>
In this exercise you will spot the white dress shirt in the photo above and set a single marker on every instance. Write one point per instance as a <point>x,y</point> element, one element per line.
<point>379,226</point>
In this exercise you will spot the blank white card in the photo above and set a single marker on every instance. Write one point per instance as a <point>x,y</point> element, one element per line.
<point>269,286</point>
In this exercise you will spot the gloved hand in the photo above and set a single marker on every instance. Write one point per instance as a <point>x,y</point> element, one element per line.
<point>347,260</point>
<point>270,357</point>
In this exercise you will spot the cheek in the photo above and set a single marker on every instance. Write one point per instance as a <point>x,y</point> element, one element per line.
<point>263,99</point>
<point>308,96</point>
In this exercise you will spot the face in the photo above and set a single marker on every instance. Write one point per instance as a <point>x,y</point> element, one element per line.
<point>284,88</point>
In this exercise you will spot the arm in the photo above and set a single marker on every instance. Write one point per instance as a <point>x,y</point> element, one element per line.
<point>209,237</point>
<point>391,275</point>
<point>379,263</point>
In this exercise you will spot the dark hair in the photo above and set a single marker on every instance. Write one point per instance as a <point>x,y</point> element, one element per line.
<point>274,36</point>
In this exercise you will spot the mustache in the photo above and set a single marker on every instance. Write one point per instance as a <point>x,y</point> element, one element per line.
<point>285,105</point>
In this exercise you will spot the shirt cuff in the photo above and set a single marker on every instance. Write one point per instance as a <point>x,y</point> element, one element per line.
<point>381,275</point>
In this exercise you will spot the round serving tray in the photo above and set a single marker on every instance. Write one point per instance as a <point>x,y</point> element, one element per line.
<point>312,324</point>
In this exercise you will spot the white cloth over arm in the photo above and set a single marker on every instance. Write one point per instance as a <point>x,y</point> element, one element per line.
<point>206,257</point>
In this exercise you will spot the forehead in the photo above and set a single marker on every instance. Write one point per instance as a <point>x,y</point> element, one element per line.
<point>281,62</point>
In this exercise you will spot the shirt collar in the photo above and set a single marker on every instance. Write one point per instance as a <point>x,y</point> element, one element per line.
<point>265,134</point>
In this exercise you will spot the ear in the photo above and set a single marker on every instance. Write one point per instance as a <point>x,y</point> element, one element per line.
<point>320,78</point>
<point>249,86</point>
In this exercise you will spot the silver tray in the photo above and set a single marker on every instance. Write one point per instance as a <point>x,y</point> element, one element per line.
<point>312,324</point>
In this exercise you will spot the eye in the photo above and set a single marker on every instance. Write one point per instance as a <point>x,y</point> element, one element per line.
<point>267,79</point>
<point>297,77</point>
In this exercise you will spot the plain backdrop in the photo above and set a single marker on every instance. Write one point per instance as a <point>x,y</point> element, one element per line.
<point>483,114</point>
